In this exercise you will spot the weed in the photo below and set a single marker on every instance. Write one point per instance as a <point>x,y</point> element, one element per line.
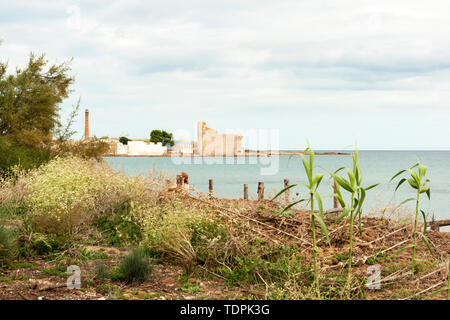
<point>135,267</point>
<point>59,271</point>
<point>8,248</point>
<point>101,271</point>
<point>314,182</point>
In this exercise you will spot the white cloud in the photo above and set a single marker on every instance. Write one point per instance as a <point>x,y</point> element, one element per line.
<point>295,65</point>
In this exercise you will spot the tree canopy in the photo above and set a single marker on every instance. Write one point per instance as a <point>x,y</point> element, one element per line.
<point>124,140</point>
<point>30,99</point>
<point>162,136</point>
<point>31,132</point>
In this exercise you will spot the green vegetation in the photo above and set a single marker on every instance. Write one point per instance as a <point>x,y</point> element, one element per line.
<point>162,136</point>
<point>135,267</point>
<point>354,209</point>
<point>124,140</point>
<point>31,132</point>
<point>313,183</point>
<point>7,246</point>
<point>419,183</point>
<point>62,211</point>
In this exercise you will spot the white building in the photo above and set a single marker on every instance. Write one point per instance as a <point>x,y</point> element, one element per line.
<point>141,148</point>
<point>183,147</point>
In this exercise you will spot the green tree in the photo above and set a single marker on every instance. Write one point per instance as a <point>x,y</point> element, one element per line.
<point>30,99</point>
<point>31,132</point>
<point>124,140</point>
<point>162,136</point>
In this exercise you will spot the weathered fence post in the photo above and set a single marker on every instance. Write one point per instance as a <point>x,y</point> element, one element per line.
<point>211,191</point>
<point>335,200</point>
<point>183,182</point>
<point>179,181</point>
<point>288,191</point>
<point>260,190</point>
<point>245,191</point>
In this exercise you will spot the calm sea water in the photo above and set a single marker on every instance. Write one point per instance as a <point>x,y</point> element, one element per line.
<point>378,167</point>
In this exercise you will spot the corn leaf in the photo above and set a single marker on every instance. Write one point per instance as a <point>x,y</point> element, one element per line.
<point>427,242</point>
<point>283,191</point>
<point>323,227</point>
<point>344,213</point>
<point>399,184</point>
<point>396,175</point>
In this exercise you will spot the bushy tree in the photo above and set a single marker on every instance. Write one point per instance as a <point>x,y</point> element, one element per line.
<point>162,136</point>
<point>124,140</point>
<point>30,99</point>
<point>31,132</point>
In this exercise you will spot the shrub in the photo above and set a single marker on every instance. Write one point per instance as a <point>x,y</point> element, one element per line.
<point>135,267</point>
<point>8,248</point>
<point>67,194</point>
<point>41,244</point>
<point>14,154</point>
<point>124,140</point>
<point>100,271</point>
<point>174,229</point>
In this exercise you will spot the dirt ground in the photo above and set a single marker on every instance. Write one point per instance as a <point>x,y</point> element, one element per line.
<point>375,244</point>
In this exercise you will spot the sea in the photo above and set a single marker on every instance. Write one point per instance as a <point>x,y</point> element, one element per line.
<point>229,174</point>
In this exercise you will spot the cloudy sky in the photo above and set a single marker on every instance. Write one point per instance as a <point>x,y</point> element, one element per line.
<point>331,71</point>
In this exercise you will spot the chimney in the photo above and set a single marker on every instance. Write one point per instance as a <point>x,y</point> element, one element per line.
<point>86,125</point>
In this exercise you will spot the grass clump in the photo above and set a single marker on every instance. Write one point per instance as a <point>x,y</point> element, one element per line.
<point>101,272</point>
<point>8,248</point>
<point>135,266</point>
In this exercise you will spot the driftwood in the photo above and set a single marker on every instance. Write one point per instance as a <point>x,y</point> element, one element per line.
<point>435,225</point>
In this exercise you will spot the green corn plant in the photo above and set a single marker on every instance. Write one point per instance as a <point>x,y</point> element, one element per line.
<point>314,181</point>
<point>418,182</point>
<point>357,197</point>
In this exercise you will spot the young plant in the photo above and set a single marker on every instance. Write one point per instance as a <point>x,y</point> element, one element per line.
<point>314,181</point>
<point>135,266</point>
<point>357,197</point>
<point>418,182</point>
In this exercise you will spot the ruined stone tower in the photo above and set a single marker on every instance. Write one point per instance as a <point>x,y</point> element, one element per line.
<point>86,125</point>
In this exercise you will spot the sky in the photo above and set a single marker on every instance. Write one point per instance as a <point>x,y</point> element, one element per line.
<point>333,72</point>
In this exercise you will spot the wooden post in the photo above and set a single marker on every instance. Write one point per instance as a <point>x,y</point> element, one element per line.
<point>245,191</point>
<point>260,190</point>
<point>288,192</point>
<point>211,192</point>
<point>335,200</point>
<point>179,181</point>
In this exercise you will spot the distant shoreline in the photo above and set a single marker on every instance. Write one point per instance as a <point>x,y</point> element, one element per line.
<point>251,154</point>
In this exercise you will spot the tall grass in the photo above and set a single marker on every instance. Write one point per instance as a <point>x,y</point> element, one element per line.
<point>418,182</point>
<point>314,181</point>
<point>357,196</point>
<point>135,267</point>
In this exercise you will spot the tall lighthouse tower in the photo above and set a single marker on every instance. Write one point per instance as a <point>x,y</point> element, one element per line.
<point>86,125</point>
